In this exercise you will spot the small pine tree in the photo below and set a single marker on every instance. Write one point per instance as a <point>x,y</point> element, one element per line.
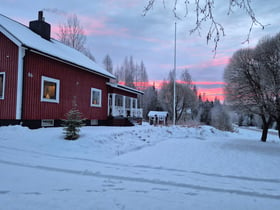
<point>73,123</point>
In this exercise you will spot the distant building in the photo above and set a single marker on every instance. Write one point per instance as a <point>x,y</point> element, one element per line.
<point>40,77</point>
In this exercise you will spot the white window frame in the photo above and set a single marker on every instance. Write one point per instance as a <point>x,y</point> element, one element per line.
<point>100,97</point>
<point>3,88</point>
<point>57,91</point>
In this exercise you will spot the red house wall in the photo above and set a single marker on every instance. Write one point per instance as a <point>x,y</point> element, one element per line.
<point>9,65</point>
<point>73,82</point>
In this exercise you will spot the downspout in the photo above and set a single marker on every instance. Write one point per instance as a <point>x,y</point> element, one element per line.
<point>20,77</point>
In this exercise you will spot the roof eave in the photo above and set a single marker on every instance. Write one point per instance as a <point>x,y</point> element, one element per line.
<point>10,36</point>
<point>125,88</point>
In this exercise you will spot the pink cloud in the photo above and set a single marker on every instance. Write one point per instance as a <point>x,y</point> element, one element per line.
<point>209,83</point>
<point>210,63</point>
<point>100,27</point>
<point>96,27</point>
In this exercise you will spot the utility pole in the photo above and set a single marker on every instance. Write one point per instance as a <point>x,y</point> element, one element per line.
<point>174,79</point>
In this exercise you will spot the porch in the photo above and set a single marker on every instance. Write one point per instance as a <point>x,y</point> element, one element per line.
<point>123,106</point>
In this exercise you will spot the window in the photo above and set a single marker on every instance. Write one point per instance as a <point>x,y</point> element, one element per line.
<point>2,84</point>
<point>127,102</point>
<point>50,90</point>
<point>119,100</point>
<point>95,97</point>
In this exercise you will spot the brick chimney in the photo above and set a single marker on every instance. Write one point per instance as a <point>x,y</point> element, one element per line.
<point>41,27</point>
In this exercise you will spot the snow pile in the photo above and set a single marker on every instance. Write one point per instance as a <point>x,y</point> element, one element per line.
<point>99,142</point>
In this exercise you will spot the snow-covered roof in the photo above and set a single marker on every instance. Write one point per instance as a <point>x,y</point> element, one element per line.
<point>157,113</point>
<point>126,88</point>
<point>23,36</point>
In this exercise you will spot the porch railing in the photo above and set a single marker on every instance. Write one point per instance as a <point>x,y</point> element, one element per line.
<point>127,112</point>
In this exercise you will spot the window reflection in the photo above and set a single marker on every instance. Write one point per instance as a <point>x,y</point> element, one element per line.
<point>49,90</point>
<point>96,95</point>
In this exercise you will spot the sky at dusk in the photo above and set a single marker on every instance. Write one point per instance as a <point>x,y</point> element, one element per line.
<point>117,28</point>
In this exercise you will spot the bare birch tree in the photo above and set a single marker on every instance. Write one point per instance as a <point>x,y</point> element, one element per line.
<point>129,70</point>
<point>141,76</point>
<point>72,34</point>
<point>253,83</point>
<point>186,77</point>
<point>132,74</point>
<point>108,63</point>
<point>150,100</point>
<point>185,97</point>
<point>244,86</point>
<point>267,54</point>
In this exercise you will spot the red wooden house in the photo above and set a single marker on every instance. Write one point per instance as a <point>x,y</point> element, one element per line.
<point>40,77</point>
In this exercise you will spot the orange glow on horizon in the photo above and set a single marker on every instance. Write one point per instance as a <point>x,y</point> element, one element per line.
<point>211,94</point>
<point>207,93</point>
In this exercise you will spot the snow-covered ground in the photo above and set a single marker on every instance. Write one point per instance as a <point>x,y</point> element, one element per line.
<point>141,167</point>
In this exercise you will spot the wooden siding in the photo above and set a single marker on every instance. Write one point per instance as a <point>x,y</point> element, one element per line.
<point>74,82</point>
<point>9,65</point>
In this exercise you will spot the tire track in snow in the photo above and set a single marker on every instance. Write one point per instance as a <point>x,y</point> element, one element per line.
<point>142,180</point>
<point>253,179</point>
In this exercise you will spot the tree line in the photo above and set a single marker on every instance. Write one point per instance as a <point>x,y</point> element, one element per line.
<point>253,82</point>
<point>189,105</point>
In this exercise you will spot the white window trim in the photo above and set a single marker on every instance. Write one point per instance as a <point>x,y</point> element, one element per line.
<point>100,99</point>
<point>57,89</point>
<point>4,80</point>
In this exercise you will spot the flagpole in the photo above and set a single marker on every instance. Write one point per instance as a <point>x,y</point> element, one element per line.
<point>174,79</point>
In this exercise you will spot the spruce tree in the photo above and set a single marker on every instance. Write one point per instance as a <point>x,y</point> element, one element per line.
<point>73,123</point>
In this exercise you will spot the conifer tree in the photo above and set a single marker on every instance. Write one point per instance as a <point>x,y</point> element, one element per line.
<point>73,123</point>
